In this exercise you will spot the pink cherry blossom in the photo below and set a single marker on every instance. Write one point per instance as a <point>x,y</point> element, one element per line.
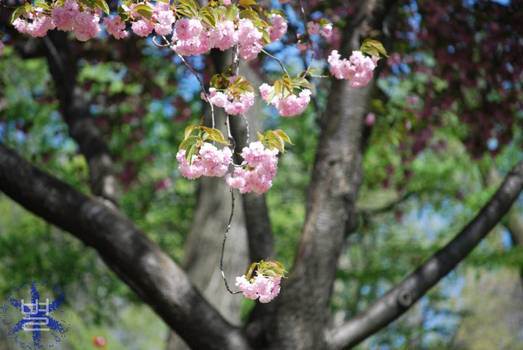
<point>63,16</point>
<point>260,287</point>
<point>142,27</point>
<point>247,32</point>
<point>190,37</point>
<point>116,27</point>
<point>164,17</point>
<point>358,69</point>
<point>233,105</point>
<point>223,36</point>
<point>278,28</point>
<point>188,28</point>
<point>209,161</point>
<point>1,48</point>
<point>251,51</point>
<point>259,168</point>
<point>86,26</point>
<point>288,106</point>
<point>38,27</point>
<point>249,39</point>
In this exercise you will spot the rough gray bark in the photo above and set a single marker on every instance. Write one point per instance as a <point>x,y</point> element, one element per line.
<point>398,300</point>
<point>303,306</point>
<point>138,261</point>
<point>75,111</point>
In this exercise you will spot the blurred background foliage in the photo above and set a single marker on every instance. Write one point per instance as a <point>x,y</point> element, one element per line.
<point>423,182</point>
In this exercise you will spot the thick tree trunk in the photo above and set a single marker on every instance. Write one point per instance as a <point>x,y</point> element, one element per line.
<point>302,309</point>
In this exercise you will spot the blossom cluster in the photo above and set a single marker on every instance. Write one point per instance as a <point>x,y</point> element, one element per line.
<point>259,287</point>
<point>233,105</point>
<point>68,17</point>
<point>190,36</point>
<point>209,161</point>
<point>193,37</point>
<point>255,174</point>
<point>358,68</point>
<point>258,169</point>
<point>287,105</point>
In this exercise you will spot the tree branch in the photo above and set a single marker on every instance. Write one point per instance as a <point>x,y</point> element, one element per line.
<point>75,112</point>
<point>137,260</point>
<point>257,220</point>
<point>403,296</point>
<point>331,203</point>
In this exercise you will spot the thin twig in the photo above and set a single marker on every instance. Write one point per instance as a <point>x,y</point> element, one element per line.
<point>223,245</point>
<point>202,85</point>
<point>278,60</point>
<point>304,15</point>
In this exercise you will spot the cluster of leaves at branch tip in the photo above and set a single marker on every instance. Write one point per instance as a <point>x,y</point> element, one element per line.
<point>192,142</point>
<point>274,139</point>
<point>373,48</point>
<point>285,86</point>
<point>235,85</point>
<point>270,268</point>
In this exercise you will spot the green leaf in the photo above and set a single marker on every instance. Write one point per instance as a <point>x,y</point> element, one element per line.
<point>324,22</point>
<point>144,10</point>
<point>246,3</point>
<point>278,12</point>
<point>250,14</point>
<point>189,130</point>
<point>250,270</point>
<point>19,11</point>
<point>274,141</point>
<point>188,8</point>
<point>122,13</point>
<point>232,13</point>
<point>207,16</point>
<point>42,4</point>
<point>215,135</point>
<point>188,142</point>
<point>374,48</point>
<point>271,268</point>
<point>301,82</point>
<point>191,152</point>
<point>266,36</point>
<point>283,135</point>
<point>102,5</point>
<point>278,87</point>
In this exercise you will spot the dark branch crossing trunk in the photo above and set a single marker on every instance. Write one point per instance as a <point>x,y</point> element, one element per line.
<point>138,261</point>
<point>74,105</point>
